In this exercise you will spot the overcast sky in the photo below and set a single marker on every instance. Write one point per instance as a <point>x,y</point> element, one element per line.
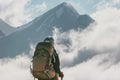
<point>92,54</point>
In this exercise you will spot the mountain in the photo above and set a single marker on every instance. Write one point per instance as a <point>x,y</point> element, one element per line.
<point>1,34</point>
<point>83,21</point>
<point>5,28</point>
<point>63,16</point>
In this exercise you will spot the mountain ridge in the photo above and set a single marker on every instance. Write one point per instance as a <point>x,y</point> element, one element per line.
<point>63,16</point>
<point>6,28</point>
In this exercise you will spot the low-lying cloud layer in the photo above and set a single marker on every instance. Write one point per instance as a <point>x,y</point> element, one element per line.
<point>15,69</point>
<point>92,54</point>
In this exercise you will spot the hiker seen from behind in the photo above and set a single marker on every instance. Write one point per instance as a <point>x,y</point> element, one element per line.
<point>46,63</point>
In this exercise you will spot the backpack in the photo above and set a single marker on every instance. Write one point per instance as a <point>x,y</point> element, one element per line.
<point>41,64</point>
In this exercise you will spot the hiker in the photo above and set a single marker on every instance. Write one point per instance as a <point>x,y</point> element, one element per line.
<point>46,63</point>
<point>55,60</point>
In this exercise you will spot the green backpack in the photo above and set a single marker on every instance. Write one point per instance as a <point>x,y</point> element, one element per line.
<point>41,64</point>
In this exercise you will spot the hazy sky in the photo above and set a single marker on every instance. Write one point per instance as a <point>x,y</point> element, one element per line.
<point>19,12</point>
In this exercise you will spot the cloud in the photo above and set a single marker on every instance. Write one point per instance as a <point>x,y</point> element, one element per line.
<point>100,62</point>
<point>18,68</point>
<point>15,69</point>
<point>91,70</point>
<point>106,32</point>
<point>107,4</point>
<point>38,9</point>
<point>13,11</point>
<point>97,39</point>
<point>19,12</point>
<point>92,54</point>
<point>41,7</point>
<point>116,1</point>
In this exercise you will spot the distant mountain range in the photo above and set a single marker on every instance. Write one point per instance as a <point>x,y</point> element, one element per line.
<point>63,16</point>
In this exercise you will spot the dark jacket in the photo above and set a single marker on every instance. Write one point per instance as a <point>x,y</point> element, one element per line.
<point>56,62</point>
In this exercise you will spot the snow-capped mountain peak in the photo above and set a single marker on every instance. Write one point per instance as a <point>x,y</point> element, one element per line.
<point>66,7</point>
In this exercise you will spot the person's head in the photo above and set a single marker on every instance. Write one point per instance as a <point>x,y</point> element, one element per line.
<point>49,39</point>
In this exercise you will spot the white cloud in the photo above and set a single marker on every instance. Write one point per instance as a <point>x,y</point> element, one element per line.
<point>38,9</point>
<point>91,70</point>
<point>107,31</point>
<point>13,11</point>
<point>15,69</point>
<point>19,12</point>
<point>41,7</point>
<point>107,4</point>
<point>67,44</point>
<point>116,1</point>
